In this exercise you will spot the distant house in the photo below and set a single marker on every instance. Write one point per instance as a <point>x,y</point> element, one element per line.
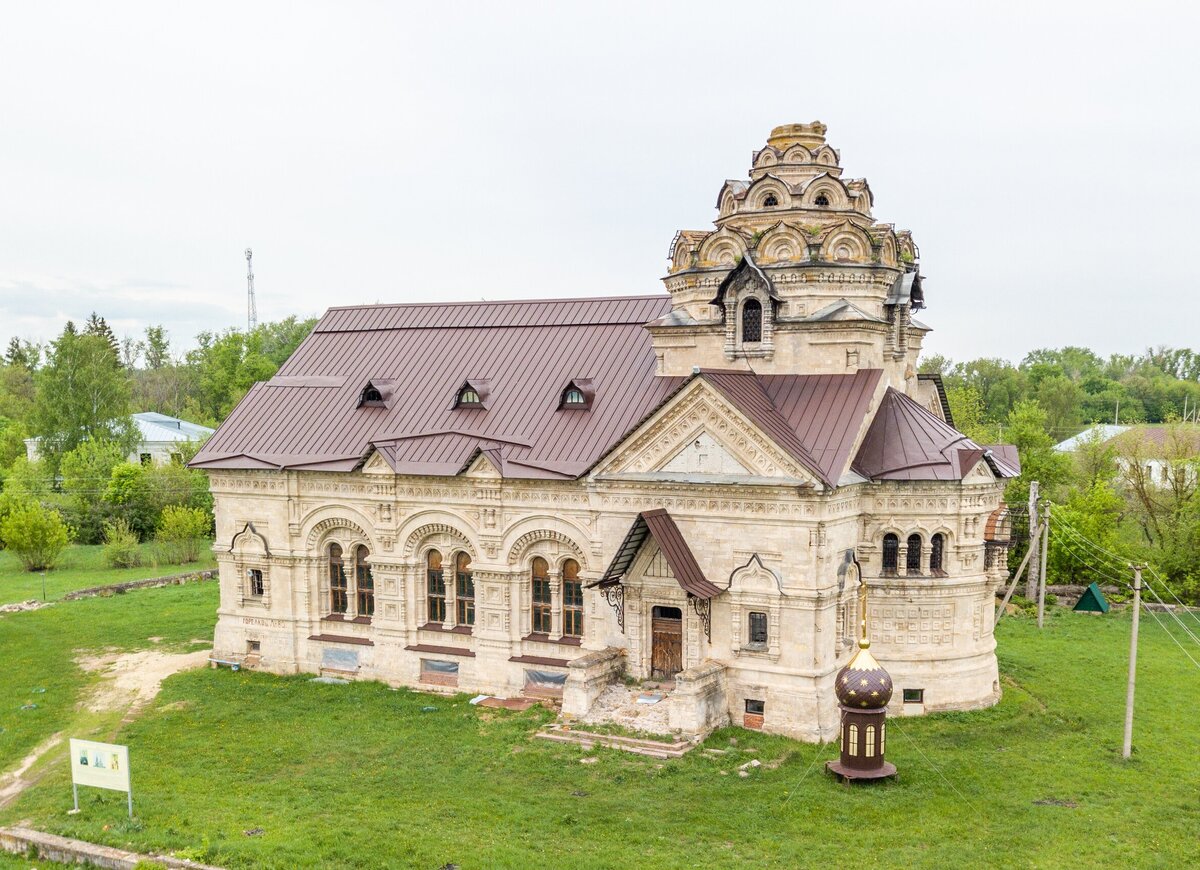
<point>159,438</point>
<point>1158,448</point>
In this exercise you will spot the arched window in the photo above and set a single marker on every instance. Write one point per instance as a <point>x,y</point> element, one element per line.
<point>771,201</point>
<point>870,753</point>
<point>468,396</point>
<point>572,600</point>
<point>853,738</point>
<point>573,397</point>
<point>337,580</point>
<point>937,546</point>
<point>540,590</point>
<point>752,321</point>
<point>912,563</point>
<point>891,554</point>
<point>821,200</point>
<point>882,736</point>
<point>364,583</point>
<point>370,396</point>
<point>435,581</point>
<point>464,590</point>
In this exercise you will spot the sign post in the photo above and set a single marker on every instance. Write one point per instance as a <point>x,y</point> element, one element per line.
<point>100,765</point>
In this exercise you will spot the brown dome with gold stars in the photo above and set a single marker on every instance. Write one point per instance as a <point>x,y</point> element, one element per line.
<point>863,684</point>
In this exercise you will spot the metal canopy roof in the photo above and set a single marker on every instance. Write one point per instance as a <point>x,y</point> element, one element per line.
<point>659,525</point>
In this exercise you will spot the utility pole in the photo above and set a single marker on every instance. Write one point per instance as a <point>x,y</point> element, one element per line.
<point>1042,572</point>
<point>251,305</point>
<point>1133,637</point>
<point>1034,534</point>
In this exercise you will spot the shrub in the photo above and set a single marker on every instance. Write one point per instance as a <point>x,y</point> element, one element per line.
<point>121,545</point>
<point>181,533</point>
<point>35,534</point>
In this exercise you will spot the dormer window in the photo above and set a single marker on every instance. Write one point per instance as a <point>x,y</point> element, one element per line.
<point>370,397</point>
<point>771,201</point>
<point>821,200</point>
<point>577,396</point>
<point>468,397</point>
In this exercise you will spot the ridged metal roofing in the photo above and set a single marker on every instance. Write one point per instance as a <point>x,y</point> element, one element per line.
<point>659,525</point>
<point>907,442</point>
<point>308,415</point>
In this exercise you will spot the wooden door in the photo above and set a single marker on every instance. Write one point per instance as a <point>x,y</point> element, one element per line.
<point>666,650</point>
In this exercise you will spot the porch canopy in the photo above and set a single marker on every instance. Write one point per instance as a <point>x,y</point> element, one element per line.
<point>659,525</point>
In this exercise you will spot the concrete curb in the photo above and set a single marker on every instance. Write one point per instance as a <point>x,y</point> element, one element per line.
<point>149,583</point>
<point>51,847</point>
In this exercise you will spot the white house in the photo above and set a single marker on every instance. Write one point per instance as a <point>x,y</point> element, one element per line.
<point>159,438</point>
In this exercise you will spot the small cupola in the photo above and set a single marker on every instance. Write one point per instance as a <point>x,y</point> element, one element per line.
<point>577,395</point>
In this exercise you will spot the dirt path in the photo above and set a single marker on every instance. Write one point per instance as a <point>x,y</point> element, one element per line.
<point>128,681</point>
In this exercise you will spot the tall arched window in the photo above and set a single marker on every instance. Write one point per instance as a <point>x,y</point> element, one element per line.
<point>435,585</point>
<point>337,580</point>
<point>572,600</point>
<point>364,583</point>
<point>870,753</point>
<point>937,547</point>
<point>891,553</point>
<point>912,563</point>
<point>853,738</point>
<point>539,576</point>
<point>464,590</point>
<point>752,320</point>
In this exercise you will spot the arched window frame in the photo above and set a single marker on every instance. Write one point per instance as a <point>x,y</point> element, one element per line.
<point>891,554</point>
<point>751,320</point>
<point>821,200</point>
<point>852,738</point>
<point>572,598</point>
<point>937,555</point>
<point>770,201</point>
<point>541,597</point>
<point>435,587</point>
<point>914,544</point>
<point>364,582</point>
<point>870,750</point>
<point>464,589</point>
<point>468,397</point>
<point>339,585</point>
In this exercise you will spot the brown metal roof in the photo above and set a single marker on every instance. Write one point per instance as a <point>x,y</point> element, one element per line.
<point>907,442</point>
<point>308,415</point>
<point>659,525</point>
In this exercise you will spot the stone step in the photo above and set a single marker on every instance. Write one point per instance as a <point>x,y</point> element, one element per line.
<point>638,746</point>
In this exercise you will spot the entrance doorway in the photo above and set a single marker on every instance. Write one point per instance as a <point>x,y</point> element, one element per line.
<point>666,649</point>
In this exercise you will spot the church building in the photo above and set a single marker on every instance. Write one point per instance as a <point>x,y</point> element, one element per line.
<point>539,497</point>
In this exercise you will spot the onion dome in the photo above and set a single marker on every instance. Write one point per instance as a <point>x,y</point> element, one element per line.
<point>863,684</point>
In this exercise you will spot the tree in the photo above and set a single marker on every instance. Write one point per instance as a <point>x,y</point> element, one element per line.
<point>82,393</point>
<point>1094,513</point>
<point>130,495</point>
<point>181,533</point>
<point>158,348</point>
<point>23,354</point>
<point>1026,429</point>
<point>35,534</point>
<point>85,473</point>
<point>98,326</point>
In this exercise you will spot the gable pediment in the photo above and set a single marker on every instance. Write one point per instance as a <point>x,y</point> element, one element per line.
<point>699,433</point>
<point>376,464</point>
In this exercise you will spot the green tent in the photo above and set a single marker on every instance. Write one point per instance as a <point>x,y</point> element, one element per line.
<point>1092,600</point>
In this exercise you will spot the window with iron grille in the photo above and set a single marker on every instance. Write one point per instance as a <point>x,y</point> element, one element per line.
<point>464,589</point>
<point>891,553</point>
<point>752,321</point>
<point>540,611</point>
<point>771,201</point>
<point>572,600</point>
<point>821,200</point>
<point>937,547</point>
<point>338,600</point>
<point>257,586</point>
<point>364,583</point>
<point>912,562</point>
<point>758,628</point>
<point>435,585</point>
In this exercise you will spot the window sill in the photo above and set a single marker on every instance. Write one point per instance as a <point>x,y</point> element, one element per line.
<point>437,626</point>
<point>566,640</point>
<point>341,617</point>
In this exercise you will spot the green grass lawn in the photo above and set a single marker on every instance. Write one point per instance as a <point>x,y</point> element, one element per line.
<point>81,567</point>
<point>360,776</point>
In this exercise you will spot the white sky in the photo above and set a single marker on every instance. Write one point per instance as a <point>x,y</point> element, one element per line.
<point>1044,155</point>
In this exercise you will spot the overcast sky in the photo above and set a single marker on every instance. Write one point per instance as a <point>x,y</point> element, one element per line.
<point>1045,156</point>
